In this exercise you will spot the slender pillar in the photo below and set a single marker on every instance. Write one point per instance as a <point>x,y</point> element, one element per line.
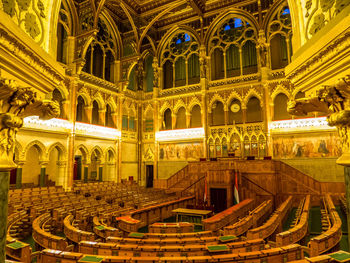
<point>42,174</point>
<point>61,177</point>
<point>4,188</point>
<point>86,173</point>
<point>100,175</point>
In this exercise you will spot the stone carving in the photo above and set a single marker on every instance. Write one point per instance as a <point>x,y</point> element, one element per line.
<point>156,73</point>
<point>262,49</point>
<point>17,103</point>
<point>319,22</point>
<point>335,101</point>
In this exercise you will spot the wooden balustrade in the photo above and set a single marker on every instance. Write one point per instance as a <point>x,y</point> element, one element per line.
<point>249,221</point>
<point>228,216</point>
<point>332,236</point>
<point>272,223</point>
<point>299,230</point>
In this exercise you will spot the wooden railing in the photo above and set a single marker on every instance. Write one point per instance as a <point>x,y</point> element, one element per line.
<point>332,236</point>
<point>272,223</point>
<point>299,230</point>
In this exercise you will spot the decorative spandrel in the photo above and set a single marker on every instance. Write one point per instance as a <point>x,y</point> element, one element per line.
<point>17,103</point>
<point>334,101</point>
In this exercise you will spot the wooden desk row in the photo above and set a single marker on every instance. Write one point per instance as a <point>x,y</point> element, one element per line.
<point>282,254</point>
<point>73,233</point>
<point>142,250</point>
<point>297,232</point>
<point>251,220</point>
<point>46,239</point>
<point>332,236</point>
<point>272,223</point>
<point>181,227</point>
<point>14,248</point>
<point>228,216</point>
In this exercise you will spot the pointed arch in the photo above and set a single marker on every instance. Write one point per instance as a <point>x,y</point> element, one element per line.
<point>166,105</point>
<point>215,98</point>
<point>280,89</point>
<point>101,102</point>
<point>106,154</point>
<point>39,146</point>
<point>232,96</point>
<point>99,151</point>
<point>194,101</point>
<point>83,92</point>
<point>252,93</point>
<point>180,103</point>
<point>85,151</point>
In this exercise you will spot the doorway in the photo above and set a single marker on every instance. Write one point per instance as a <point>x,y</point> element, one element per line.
<point>149,176</point>
<point>218,199</point>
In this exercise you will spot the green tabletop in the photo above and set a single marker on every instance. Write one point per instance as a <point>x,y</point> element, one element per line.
<point>340,256</point>
<point>136,235</point>
<point>218,248</point>
<point>17,245</point>
<point>227,238</point>
<point>100,227</point>
<point>90,259</point>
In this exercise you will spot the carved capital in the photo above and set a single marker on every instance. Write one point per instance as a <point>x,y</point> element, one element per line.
<point>16,103</point>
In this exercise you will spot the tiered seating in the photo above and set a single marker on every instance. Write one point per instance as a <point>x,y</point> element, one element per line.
<point>103,230</point>
<point>272,223</point>
<point>228,216</point>
<point>332,235</point>
<point>300,228</point>
<point>250,220</point>
<point>181,227</point>
<point>75,234</point>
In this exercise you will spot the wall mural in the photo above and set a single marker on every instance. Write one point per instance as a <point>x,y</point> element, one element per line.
<point>181,151</point>
<point>311,146</point>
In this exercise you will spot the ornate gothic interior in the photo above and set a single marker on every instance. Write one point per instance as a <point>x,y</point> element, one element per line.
<point>115,113</point>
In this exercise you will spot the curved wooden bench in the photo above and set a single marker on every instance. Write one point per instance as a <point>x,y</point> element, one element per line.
<point>282,254</point>
<point>46,239</point>
<point>153,250</point>
<point>75,234</point>
<point>103,230</point>
<point>272,223</point>
<point>300,229</point>
<point>251,220</point>
<point>228,216</point>
<point>181,227</point>
<point>332,236</point>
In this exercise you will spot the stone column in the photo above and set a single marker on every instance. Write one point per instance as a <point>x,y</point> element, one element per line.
<point>61,177</point>
<point>42,173</point>
<point>111,173</point>
<point>102,117</point>
<point>100,172</point>
<point>88,114</point>
<point>4,188</point>
<point>19,174</point>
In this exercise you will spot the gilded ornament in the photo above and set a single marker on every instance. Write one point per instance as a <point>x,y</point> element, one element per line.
<point>308,6</point>
<point>340,5</point>
<point>319,22</point>
<point>31,25</point>
<point>9,7</point>
<point>41,7</point>
<point>23,5</point>
<point>326,4</point>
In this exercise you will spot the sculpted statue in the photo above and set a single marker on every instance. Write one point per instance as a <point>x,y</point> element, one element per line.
<point>155,73</point>
<point>262,48</point>
<point>335,102</point>
<point>17,103</point>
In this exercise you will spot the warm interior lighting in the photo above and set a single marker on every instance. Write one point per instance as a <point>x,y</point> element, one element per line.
<point>181,134</point>
<point>307,124</point>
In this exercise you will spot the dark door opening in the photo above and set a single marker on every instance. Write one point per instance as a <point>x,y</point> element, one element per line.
<point>218,199</point>
<point>13,176</point>
<point>77,168</point>
<point>149,176</point>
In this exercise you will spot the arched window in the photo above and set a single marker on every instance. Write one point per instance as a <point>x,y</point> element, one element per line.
<point>108,117</point>
<point>149,73</point>
<point>62,38</point>
<point>100,55</point>
<point>217,64</point>
<point>218,113</point>
<point>279,36</point>
<point>237,37</point>
<point>254,113</point>
<point>167,120</point>
<point>280,107</point>
<point>181,118</point>
<point>181,51</point>
<point>95,114</point>
<point>196,117</point>
<point>235,112</point>
<point>80,109</point>
<point>57,96</point>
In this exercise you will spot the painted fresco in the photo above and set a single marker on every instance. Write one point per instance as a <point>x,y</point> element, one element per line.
<point>181,151</point>
<point>306,146</point>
